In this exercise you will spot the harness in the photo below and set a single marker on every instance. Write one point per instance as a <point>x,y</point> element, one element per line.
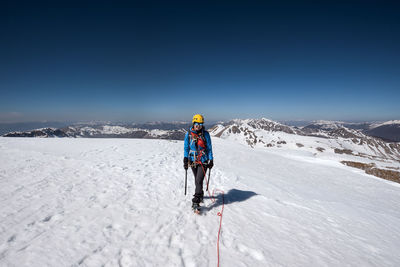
<point>200,144</point>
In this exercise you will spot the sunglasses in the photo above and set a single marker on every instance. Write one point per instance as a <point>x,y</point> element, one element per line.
<point>198,124</point>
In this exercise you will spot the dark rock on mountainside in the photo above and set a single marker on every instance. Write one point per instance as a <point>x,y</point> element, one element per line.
<point>389,132</point>
<point>46,132</point>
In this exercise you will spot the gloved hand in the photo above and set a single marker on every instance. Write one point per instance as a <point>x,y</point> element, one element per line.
<point>210,164</point>
<point>185,163</point>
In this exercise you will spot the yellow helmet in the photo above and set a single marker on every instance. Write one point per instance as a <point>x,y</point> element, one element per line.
<point>198,118</point>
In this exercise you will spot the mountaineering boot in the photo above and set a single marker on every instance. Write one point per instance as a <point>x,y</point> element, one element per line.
<point>196,207</point>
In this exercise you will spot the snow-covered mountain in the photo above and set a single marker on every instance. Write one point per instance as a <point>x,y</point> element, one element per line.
<point>379,124</point>
<point>331,141</point>
<point>267,133</point>
<point>388,130</point>
<point>27,126</point>
<point>110,202</point>
<point>244,126</point>
<point>153,131</point>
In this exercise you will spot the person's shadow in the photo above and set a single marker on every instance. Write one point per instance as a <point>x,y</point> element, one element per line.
<point>233,195</point>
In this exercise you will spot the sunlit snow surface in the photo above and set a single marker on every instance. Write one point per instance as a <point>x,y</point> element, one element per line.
<point>121,202</point>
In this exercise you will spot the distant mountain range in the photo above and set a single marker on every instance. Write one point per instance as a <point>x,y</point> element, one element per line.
<point>388,131</point>
<point>369,140</point>
<point>325,141</point>
<point>28,126</point>
<point>317,137</point>
<point>153,130</point>
<point>367,146</point>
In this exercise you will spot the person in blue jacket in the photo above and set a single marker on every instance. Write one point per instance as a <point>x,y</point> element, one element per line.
<point>198,155</point>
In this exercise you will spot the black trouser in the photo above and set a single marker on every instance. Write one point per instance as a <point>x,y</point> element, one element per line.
<point>198,180</point>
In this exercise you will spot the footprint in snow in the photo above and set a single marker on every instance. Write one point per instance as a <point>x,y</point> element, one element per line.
<point>48,218</point>
<point>12,239</point>
<point>252,252</point>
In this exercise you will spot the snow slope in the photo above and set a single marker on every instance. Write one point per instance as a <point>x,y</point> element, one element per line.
<point>120,202</point>
<point>379,124</point>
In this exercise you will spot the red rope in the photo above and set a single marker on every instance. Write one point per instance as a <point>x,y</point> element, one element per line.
<point>220,213</point>
<point>220,220</point>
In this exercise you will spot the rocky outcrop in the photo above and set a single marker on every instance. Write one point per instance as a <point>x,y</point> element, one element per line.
<point>371,168</point>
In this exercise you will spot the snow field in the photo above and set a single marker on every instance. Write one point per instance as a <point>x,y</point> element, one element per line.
<point>120,202</point>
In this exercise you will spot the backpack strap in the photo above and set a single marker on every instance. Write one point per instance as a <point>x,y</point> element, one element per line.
<point>198,139</point>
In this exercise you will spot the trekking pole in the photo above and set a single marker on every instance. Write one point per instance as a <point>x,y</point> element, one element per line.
<point>185,181</point>
<point>208,181</point>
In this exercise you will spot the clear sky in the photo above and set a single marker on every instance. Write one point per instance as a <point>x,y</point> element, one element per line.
<point>165,61</point>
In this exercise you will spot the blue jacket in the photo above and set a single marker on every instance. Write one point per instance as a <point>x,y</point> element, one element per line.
<point>190,149</point>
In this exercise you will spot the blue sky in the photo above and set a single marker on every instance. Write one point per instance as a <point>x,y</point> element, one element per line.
<point>144,61</point>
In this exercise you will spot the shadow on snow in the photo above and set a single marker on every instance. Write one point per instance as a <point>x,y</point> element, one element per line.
<point>233,195</point>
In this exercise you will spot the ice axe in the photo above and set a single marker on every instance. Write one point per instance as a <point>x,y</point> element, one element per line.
<point>208,181</point>
<point>185,180</point>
